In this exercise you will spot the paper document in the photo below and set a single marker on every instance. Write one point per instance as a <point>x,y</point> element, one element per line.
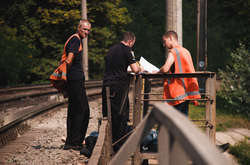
<point>147,65</point>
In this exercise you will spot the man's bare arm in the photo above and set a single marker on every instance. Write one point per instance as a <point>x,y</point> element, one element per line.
<point>136,68</point>
<point>169,62</point>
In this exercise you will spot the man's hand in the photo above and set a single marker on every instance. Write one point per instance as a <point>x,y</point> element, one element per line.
<point>155,71</point>
<point>69,60</point>
<point>141,69</point>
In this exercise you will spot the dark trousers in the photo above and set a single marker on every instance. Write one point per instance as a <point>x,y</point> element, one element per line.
<point>119,117</point>
<point>183,107</point>
<point>78,112</point>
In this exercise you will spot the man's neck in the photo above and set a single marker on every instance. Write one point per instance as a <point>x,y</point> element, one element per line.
<point>79,35</point>
<point>175,44</point>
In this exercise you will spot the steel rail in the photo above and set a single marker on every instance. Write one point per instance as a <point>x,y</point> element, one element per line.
<point>40,91</point>
<point>8,122</point>
<point>12,120</point>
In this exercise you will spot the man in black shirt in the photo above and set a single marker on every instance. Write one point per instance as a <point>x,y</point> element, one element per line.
<point>117,60</point>
<point>78,107</point>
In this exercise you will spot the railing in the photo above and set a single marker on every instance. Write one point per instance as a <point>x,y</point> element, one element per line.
<point>102,152</point>
<point>209,97</point>
<point>179,141</point>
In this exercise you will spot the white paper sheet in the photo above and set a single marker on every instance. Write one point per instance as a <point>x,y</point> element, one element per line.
<point>147,65</point>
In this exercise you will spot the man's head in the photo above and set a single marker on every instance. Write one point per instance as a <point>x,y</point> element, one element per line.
<point>129,39</point>
<point>84,27</point>
<point>170,39</point>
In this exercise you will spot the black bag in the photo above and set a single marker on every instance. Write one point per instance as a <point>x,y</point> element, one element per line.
<point>90,142</point>
<point>149,143</point>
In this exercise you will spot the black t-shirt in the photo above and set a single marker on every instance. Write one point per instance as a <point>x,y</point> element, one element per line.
<point>118,58</point>
<point>76,70</point>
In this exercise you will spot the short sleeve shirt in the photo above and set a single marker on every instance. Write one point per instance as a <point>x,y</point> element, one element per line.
<point>117,60</point>
<point>76,71</point>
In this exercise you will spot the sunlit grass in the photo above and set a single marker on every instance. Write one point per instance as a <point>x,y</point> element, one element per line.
<point>242,152</point>
<point>197,113</point>
<point>223,120</point>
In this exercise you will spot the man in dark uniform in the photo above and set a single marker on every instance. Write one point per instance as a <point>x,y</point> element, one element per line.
<point>117,60</point>
<point>78,107</point>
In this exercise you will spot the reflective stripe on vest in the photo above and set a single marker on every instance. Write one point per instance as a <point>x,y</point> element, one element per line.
<point>59,74</point>
<point>180,67</point>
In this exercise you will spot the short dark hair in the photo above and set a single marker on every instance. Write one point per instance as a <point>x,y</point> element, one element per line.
<point>171,33</point>
<point>127,36</point>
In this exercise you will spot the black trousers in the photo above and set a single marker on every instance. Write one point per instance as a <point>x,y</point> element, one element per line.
<point>78,112</point>
<point>119,116</point>
<point>183,107</point>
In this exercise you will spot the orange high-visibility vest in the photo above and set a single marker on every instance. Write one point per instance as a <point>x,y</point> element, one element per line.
<point>59,76</point>
<point>181,88</point>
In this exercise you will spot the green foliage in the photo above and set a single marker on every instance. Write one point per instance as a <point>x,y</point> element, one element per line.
<point>235,82</point>
<point>189,21</point>
<point>45,25</point>
<point>224,36</point>
<point>15,61</point>
<point>242,152</point>
<point>42,69</point>
<point>148,25</point>
<point>108,20</point>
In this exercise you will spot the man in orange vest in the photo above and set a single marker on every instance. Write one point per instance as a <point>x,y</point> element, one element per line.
<point>179,60</point>
<point>78,106</point>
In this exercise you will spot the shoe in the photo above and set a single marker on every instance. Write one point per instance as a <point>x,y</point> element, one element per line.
<point>223,147</point>
<point>73,147</point>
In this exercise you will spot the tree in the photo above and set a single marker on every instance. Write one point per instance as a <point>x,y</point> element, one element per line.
<point>15,62</point>
<point>235,82</point>
<point>224,36</point>
<point>108,20</point>
<point>148,25</point>
<point>45,26</point>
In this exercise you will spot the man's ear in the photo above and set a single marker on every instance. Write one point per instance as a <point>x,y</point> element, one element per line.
<point>130,42</point>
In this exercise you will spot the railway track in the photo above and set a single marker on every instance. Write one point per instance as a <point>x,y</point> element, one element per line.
<point>23,109</point>
<point>17,93</point>
<point>12,99</point>
<point>19,104</point>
